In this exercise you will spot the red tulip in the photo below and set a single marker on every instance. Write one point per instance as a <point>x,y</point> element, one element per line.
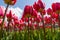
<point>16,22</point>
<point>9,16</point>
<point>47,20</point>
<point>43,12</point>
<point>22,23</point>
<point>55,15</point>
<point>49,11</point>
<point>38,6</point>
<point>38,19</point>
<point>56,7</point>
<point>29,12</point>
<point>34,14</point>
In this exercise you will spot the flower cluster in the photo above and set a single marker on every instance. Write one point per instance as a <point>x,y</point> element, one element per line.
<point>33,15</point>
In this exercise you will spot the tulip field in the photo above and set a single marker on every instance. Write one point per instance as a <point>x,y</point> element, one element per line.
<point>33,25</point>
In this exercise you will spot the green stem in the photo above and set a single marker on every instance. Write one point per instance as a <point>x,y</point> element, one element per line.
<point>43,27</point>
<point>59,21</point>
<point>38,28</point>
<point>3,22</point>
<point>51,25</point>
<point>4,16</point>
<point>28,30</point>
<point>54,27</point>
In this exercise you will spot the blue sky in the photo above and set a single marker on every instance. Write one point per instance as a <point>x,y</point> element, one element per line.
<point>21,3</point>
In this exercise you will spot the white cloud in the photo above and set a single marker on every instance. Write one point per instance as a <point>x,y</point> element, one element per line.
<point>17,11</point>
<point>56,1</point>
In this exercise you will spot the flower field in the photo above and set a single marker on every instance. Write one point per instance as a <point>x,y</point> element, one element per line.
<point>36,23</point>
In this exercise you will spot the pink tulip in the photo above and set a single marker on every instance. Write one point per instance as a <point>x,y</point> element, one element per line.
<point>1,12</point>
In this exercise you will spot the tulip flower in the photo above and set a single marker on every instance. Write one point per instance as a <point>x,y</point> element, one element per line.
<point>29,12</point>
<point>38,19</point>
<point>9,16</point>
<point>39,6</point>
<point>47,20</point>
<point>10,2</point>
<point>1,12</point>
<point>49,11</point>
<point>34,14</point>
<point>55,15</point>
<point>56,7</point>
<point>43,12</point>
